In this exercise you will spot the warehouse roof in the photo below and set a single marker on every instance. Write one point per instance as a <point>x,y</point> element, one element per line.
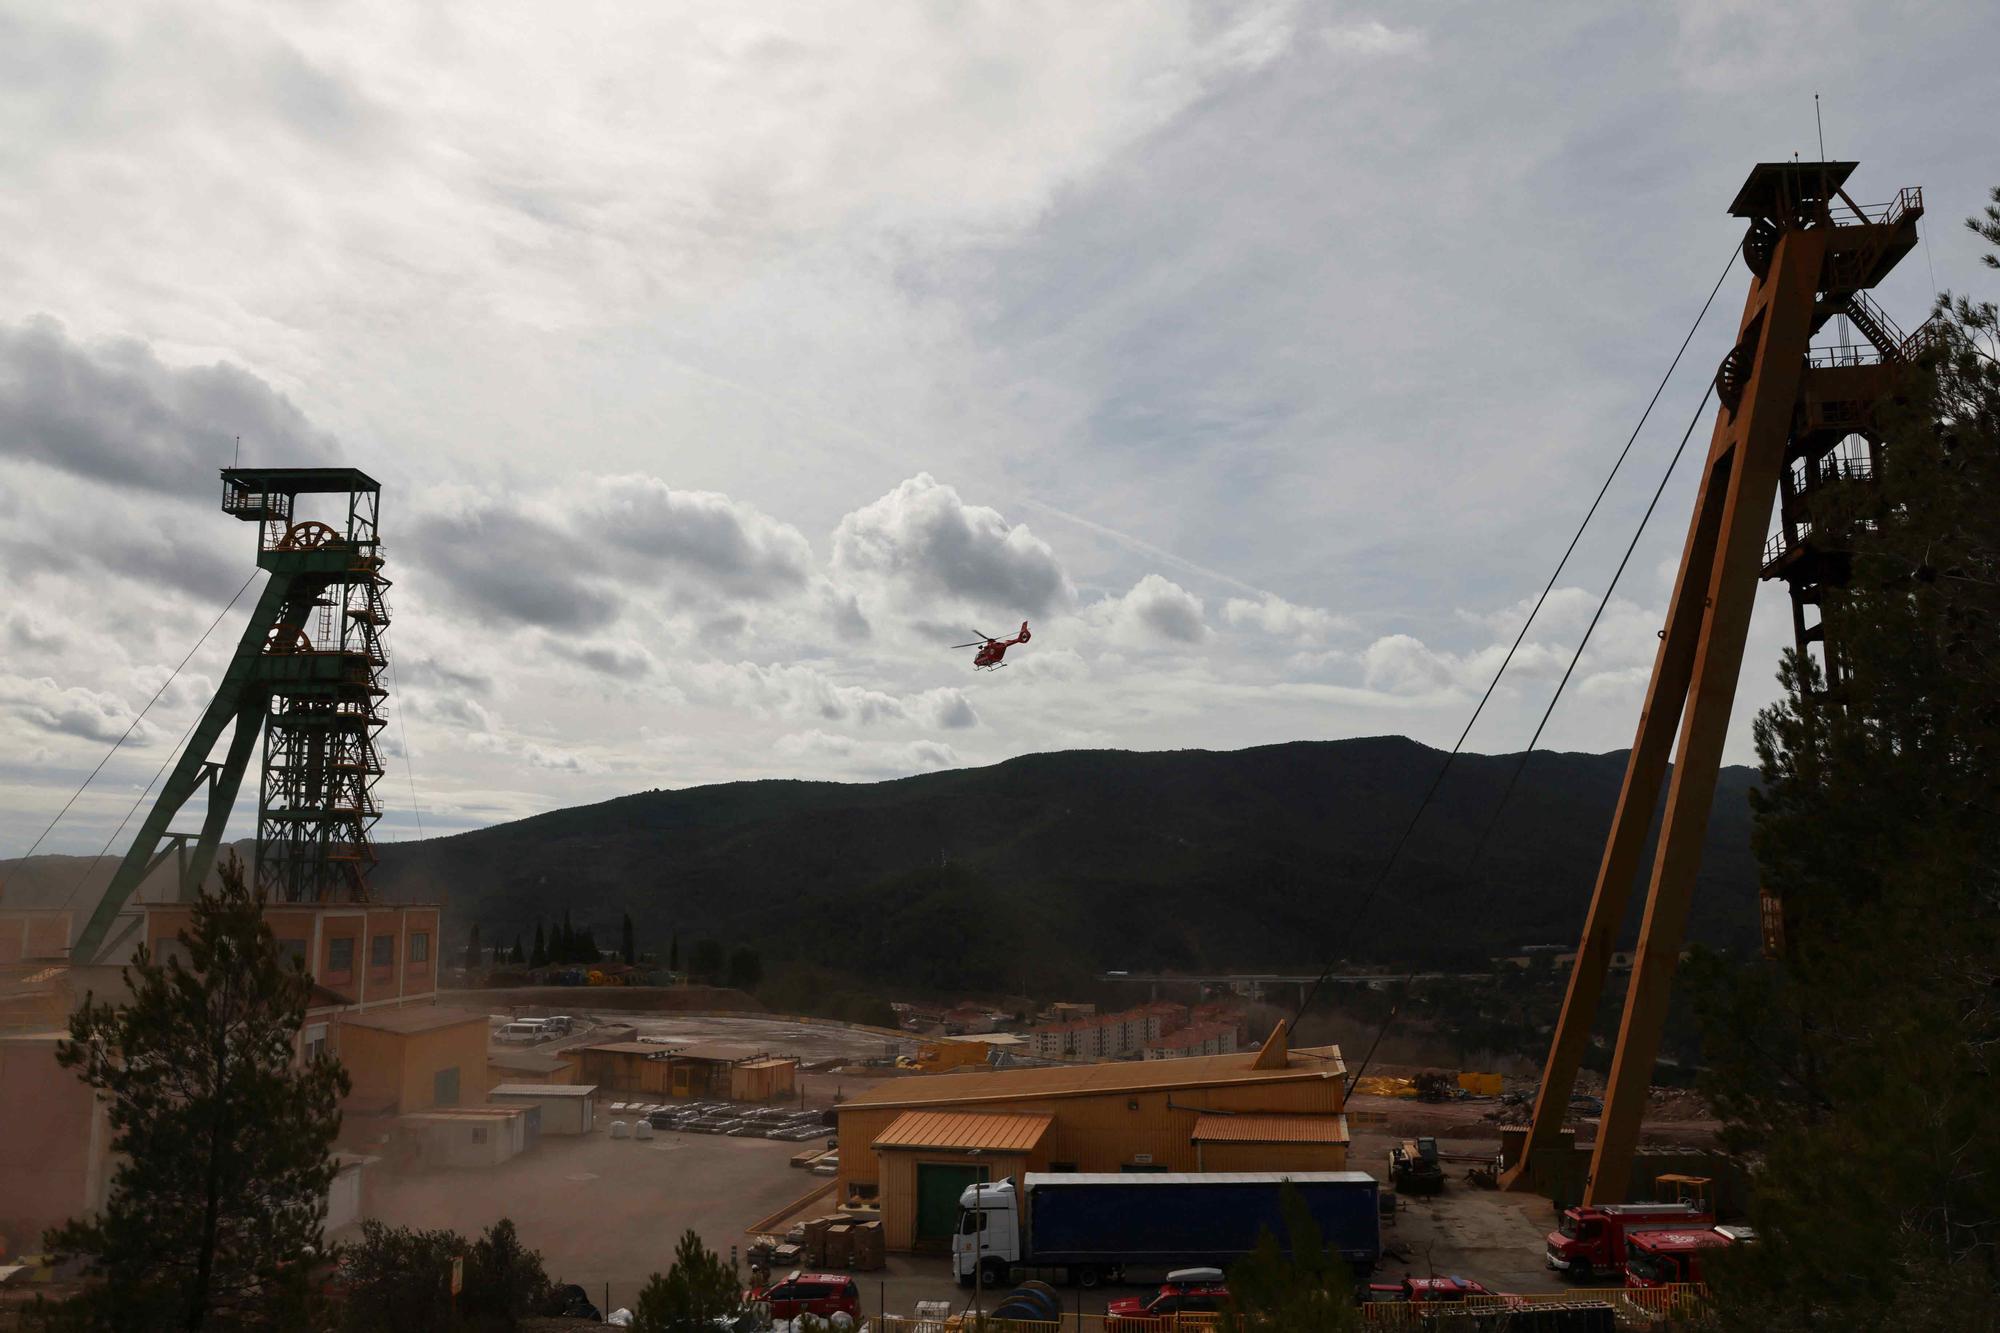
<point>987,1131</point>
<point>531,1062</point>
<point>1270,1129</point>
<point>411,1020</point>
<point>723,1052</point>
<point>645,1048</point>
<point>1013,1085</point>
<point>543,1090</point>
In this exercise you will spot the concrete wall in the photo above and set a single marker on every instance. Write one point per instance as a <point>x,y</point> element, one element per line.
<point>1271,1157</point>
<point>399,1069</point>
<point>55,1144</point>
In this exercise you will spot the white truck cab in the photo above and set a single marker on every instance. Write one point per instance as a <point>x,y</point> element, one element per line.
<point>988,1237</point>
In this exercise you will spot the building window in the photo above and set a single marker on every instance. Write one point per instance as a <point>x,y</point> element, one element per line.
<point>479,1136</point>
<point>292,952</point>
<point>339,956</point>
<point>444,1087</point>
<point>420,946</point>
<point>315,1038</point>
<point>1062,1166</point>
<point>382,951</point>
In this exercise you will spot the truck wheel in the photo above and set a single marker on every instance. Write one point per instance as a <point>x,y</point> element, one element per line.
<point>1087,1276</point>
<point>994,1273</point>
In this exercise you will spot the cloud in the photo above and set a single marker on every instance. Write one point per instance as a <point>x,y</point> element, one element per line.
<point>504,561</point>
<point>948,708</point>
<point>1370,39</point>
<point>1403,664</point>
<point>926,542</point>
<point>116,413</point>
<point>1160,609</point>
<point>626,661</point>
<point>70,711</point>
<point>726,545</point>
<point>1274,615</point>
<point>872,758</point>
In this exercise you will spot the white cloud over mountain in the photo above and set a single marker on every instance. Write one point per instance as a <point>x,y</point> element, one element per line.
<point>722,370</point>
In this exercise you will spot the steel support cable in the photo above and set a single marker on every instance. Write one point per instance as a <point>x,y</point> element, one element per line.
<point>105,850</point>
<point>1430,793</point>
<point>1479,848</point>
<point>141,717</point>
<point>403,733</point>
<point>1493,821</point>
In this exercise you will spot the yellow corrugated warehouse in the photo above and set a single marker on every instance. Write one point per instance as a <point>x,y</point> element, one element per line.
<point>914,1144</point>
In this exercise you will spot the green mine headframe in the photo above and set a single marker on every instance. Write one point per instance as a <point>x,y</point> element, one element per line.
<point>306,678</point>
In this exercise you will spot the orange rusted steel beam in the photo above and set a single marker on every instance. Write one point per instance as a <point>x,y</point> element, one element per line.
<point>1745,457</point>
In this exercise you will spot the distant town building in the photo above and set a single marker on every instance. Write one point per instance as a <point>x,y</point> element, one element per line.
<point>1195,1039</point>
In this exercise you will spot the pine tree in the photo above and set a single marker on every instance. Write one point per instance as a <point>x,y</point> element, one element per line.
<point>1854,1076</point>
<point>225,1135</point>
<point>746,969</point>
<point>519,956</point>
<point>697,1292</point>
<point>628,948</point>
<point>540,957</point>
<point>674,952</point>
<point>567,953</point>
<point>1303,1284</point>
<point>472,948</point>
<point>706,962</point>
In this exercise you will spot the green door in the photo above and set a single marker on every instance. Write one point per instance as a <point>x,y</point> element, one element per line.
<point>938,1188</point>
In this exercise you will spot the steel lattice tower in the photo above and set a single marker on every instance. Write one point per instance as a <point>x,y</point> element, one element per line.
<point>306,678</point>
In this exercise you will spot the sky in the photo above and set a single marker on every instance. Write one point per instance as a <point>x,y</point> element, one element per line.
<point>724,364</point>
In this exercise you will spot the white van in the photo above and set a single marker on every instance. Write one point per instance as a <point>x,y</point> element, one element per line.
<point>524,1030</point>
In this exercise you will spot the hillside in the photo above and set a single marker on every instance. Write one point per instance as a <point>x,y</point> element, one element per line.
<point>1029,872</point>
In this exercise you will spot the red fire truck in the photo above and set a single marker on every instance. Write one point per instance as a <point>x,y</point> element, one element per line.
<point>1591,1239</point>
<point>1662,1258</point>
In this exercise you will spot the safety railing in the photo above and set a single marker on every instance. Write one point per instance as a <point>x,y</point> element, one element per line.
<point>1908,200</point>
<point>1633,1307</point>
<point>1827,358</point>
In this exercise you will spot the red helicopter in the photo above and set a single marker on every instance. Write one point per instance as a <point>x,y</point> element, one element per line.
<point>991,650</point>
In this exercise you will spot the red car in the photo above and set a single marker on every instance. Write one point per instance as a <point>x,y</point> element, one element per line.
<point>1189,1291</point>
<point>1421,1290</point>
<point>822,1294</point>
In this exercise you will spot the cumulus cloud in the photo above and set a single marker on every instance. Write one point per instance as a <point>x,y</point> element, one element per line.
<point>723,544</point>
<point>116,413</point>
<point>873,758</point>
<point>1274,615</point>
<point>506,562</point>
<point>70,711</point>
<point>1158,609</point>
<point>1403,664</point>
<point>626,661</point>
<point>924,541</point>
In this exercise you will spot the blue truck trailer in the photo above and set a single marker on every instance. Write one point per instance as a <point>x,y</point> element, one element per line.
<point>1093,1227</point>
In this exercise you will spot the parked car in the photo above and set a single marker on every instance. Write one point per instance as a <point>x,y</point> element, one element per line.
<point>1420,1290</point>
<point>1187,1291</point>
<point>820,1294</point>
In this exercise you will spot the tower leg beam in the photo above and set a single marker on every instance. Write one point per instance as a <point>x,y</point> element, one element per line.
<point>234,700</point>
<point>1645,774</point>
